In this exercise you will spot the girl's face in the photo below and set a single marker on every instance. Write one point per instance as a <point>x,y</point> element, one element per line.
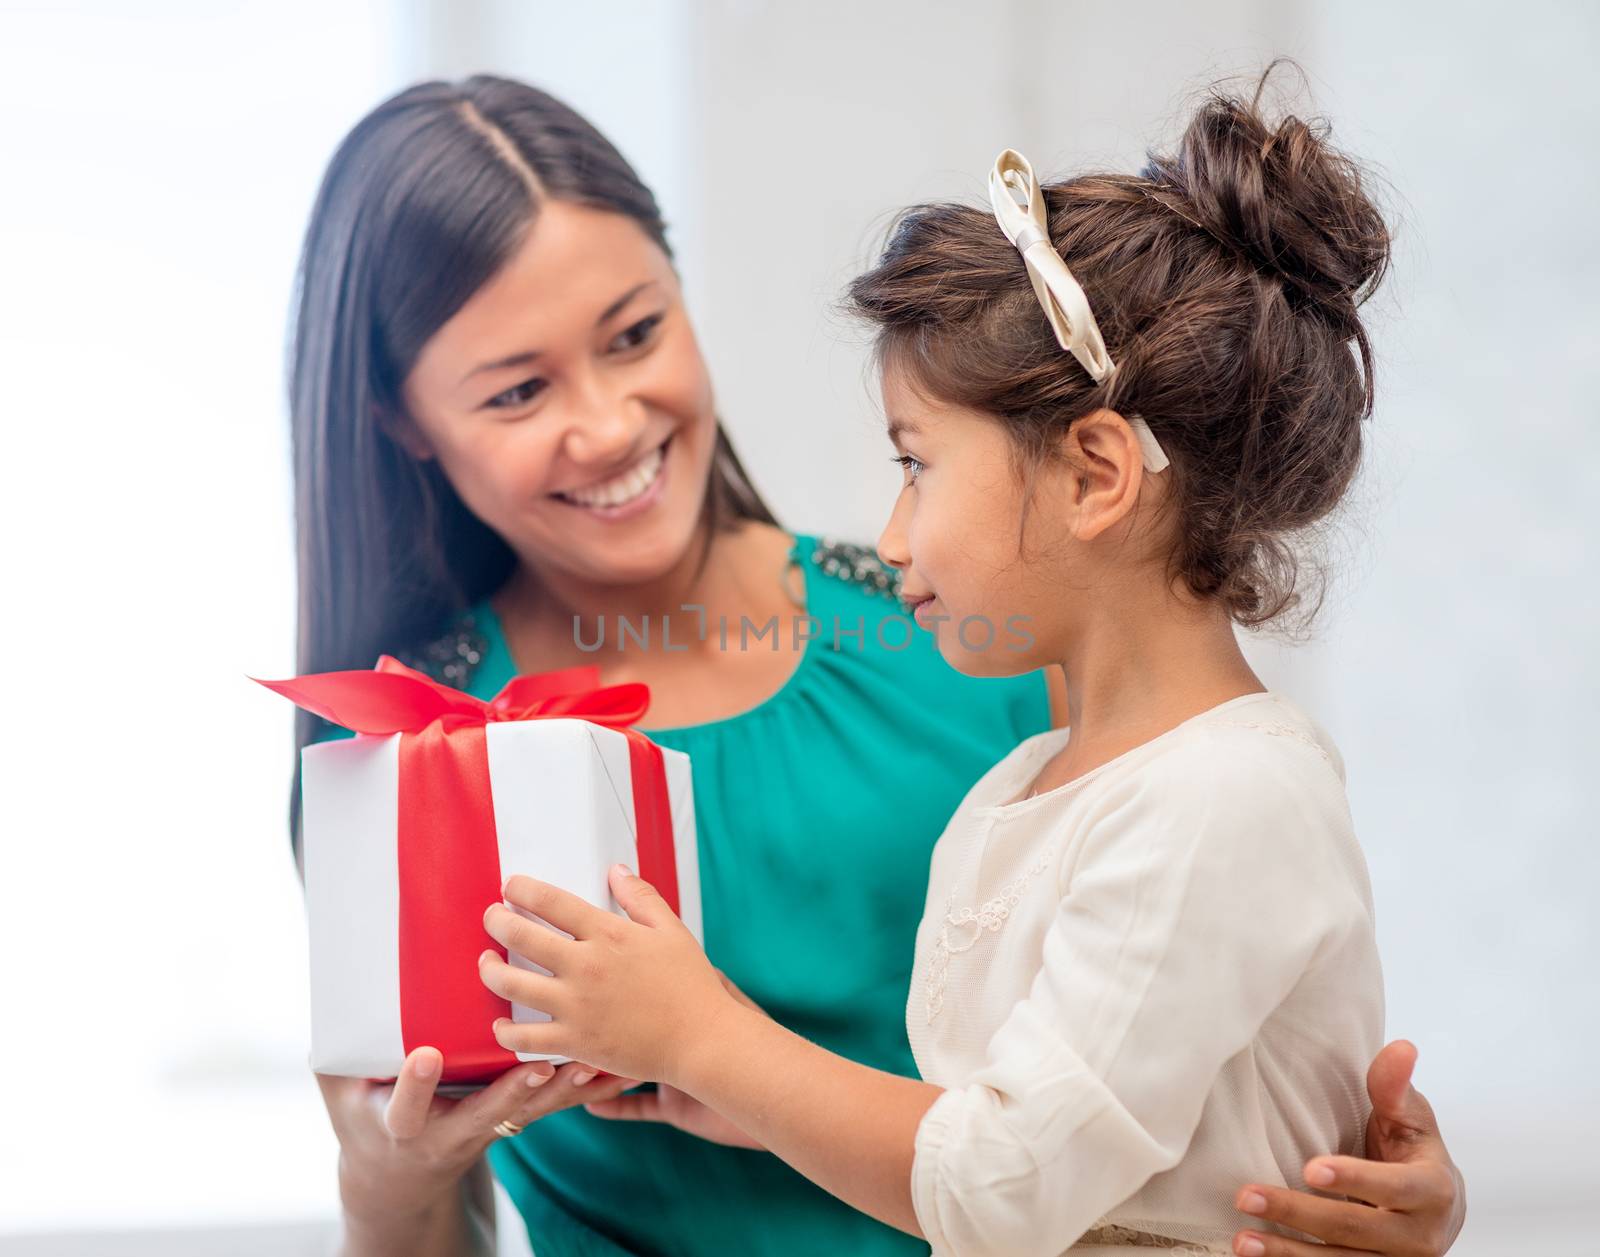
<point>954,536</point>
<point>568,403</point>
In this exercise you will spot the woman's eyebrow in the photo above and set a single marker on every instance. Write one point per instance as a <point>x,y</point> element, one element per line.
<point>528,356</point>
<point>611,310</point>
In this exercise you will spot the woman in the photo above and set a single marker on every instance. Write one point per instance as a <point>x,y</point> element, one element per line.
<point>505,442</point>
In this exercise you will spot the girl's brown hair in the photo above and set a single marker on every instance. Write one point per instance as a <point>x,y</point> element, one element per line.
<point>1226,279</point>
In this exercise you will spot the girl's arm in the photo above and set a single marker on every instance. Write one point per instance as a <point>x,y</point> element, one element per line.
<point>1188,934</point>
<point>849,1128</point>
<point>855,1134</point>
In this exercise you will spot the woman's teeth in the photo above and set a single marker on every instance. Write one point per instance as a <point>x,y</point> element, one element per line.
<point>622,489</point>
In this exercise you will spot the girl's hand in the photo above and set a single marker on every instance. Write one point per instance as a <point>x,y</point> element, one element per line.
<point>631,996</point>
<point>403,1150</point>
<point>1410,1197</point>
<point>668,1105</point>
<point>678,1108</point>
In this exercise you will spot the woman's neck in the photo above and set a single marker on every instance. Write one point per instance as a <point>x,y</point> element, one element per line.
<point>733,572</point>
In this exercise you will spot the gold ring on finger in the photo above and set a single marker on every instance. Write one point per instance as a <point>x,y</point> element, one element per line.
<point>508,1129</point>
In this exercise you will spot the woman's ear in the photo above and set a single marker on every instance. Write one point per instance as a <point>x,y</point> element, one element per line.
<point>1108,466</point>
<point>403,431</point>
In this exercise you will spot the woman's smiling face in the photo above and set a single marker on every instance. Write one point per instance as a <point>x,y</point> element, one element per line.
<point>987,590</point>
<point>568,403</point>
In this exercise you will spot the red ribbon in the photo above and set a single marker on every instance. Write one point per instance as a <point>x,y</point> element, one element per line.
<point>449,860</point>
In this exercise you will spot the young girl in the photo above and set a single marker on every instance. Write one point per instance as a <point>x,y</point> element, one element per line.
<point>1146,967</point>
<point>502,421</point>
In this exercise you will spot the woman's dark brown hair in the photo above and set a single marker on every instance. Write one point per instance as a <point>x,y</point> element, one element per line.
<point>1226,279</point>
<point>424,201</point>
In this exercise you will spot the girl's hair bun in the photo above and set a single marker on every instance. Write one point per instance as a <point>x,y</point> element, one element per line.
<point>1227,280</point>
<point>1282,198</point>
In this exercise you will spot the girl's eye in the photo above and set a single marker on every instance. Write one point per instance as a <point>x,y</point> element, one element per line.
<point>637,335</point>
<point>518,394</point>
<point>911,465</point>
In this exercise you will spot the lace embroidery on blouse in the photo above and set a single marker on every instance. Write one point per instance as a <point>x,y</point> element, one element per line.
<point>1277,729</point>
<point>959,930</point>
<point>1110,1235</point>
<point>972,923</point>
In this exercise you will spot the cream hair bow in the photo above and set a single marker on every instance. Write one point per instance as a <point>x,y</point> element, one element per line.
<point>1018,203</point>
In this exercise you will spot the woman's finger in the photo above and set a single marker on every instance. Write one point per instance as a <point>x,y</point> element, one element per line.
<point>1331,1221</point>
<point>568,1087</point>
<point>516,1091</point>
<point>1260,1244</point>
<point>411,1099</point>
<point>644,1107</point>
<point>538,943</point>
<point>1398,1185</point>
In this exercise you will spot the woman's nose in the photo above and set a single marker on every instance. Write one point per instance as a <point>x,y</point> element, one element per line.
<point>603,426</point>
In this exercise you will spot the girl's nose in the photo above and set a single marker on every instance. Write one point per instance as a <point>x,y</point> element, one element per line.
<point>892,547</point>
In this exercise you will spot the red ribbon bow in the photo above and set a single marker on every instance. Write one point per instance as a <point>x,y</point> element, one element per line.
<point>449,861</point>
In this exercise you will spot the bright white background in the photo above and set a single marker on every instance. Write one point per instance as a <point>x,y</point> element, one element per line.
<point>159,163</point>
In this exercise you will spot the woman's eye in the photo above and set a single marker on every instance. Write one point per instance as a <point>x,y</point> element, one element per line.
<point>518,394</point>
<point>638,334</point>
<point>911,465</point>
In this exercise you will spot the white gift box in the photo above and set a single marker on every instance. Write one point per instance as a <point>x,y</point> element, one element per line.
<point>563,813</point>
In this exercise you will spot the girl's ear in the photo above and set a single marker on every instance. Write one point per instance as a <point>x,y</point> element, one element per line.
<point>403,431</point>
<point>1108,466</point>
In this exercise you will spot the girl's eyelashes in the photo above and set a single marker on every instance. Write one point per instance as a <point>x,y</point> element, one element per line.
<point>518,394</point>
<point>910,464</point>
<point>637,335</point>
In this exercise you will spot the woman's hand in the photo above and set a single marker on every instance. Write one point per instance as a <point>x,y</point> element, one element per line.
<point>404,1151</point>
<point>1410,1200</point>
<point>632,996</point>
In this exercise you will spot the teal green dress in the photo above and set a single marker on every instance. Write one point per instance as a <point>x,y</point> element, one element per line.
<point>817,812</point>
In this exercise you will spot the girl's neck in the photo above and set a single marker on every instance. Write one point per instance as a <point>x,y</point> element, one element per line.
<point>1134,675</point>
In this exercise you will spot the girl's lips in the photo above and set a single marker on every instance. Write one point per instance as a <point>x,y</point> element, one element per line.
<point>920,608</point>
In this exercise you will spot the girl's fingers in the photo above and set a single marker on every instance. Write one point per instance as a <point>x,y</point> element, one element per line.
<point>1258,1244</point>
<point>639,899</point>
<point>1402,1186</point>
<point>520,986</point>
<point>536,1038</point>
<point>561,908</point>
<point>411,1099</point>
<point>1331,1221</point>
<point>539,943</point>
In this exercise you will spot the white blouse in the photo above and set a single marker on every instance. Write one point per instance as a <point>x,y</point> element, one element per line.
<point>1142,989</point>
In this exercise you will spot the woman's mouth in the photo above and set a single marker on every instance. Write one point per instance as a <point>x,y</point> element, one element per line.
<point>626,494</point>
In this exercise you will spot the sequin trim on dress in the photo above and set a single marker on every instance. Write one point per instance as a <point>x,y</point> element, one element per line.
<point>452,659</point>
<point>857,565</point>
